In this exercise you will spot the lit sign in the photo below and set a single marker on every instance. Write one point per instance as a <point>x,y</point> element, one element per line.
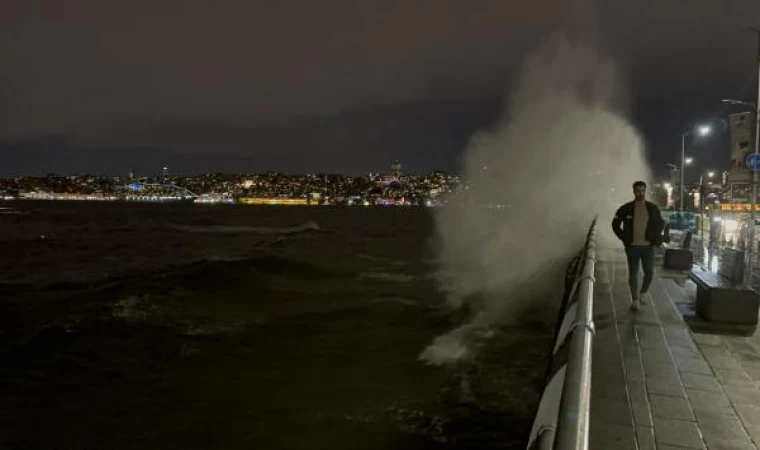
<point>738,207</point>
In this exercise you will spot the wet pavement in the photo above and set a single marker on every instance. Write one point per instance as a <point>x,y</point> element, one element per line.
<point>657,383</point>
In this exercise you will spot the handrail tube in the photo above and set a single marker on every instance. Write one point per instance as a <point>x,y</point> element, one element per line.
<point>575,404</point>
<point>562,418</point>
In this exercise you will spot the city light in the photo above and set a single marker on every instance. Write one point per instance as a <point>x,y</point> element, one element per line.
<point>396,189</point>
<point>730,225</point>
<point>689,160</point>
<point>704,130</point>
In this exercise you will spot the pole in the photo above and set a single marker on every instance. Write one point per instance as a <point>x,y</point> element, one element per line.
<point>683,166</point>
<point>701,209</point>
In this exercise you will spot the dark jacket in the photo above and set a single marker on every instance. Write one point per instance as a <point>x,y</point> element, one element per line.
<point>624,217</point>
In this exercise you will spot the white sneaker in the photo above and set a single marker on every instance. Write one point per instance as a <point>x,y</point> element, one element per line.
<point>635,305</point>
<point>643,298</point>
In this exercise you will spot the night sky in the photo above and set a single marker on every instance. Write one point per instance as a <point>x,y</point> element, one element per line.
<point>333,85</point>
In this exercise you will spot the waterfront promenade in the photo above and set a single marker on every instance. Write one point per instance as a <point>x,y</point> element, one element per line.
<point>661,377</point>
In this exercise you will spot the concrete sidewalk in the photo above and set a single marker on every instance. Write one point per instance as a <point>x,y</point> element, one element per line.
<point>658,385</point>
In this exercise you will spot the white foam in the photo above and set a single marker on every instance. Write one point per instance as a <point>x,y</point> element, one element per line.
<point>560,155</point>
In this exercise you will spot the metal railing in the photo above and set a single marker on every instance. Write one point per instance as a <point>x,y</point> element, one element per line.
<point>562,420</point>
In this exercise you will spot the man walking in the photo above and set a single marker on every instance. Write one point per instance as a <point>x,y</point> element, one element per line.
<point>641,232</point>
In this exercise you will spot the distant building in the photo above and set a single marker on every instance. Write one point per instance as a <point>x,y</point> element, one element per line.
<point>396,168</point>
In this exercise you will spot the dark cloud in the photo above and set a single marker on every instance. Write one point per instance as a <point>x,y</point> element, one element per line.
<point>102,73</point>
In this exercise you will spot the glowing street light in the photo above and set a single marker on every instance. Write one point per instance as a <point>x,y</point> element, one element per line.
<point>689,160</point>
<point>702,130</point>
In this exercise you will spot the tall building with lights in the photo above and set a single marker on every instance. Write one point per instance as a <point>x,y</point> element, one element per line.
<point>396,168</point>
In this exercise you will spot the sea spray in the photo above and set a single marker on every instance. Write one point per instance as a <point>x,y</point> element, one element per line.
<point>559,156</point>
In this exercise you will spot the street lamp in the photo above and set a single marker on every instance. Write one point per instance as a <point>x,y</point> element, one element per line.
<point>703,130</point>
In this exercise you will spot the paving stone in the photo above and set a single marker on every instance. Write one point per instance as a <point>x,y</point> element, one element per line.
<point>742,346</point>
<point>701,382</point>
<point>668,407</point>
<point>694,366</point>
<point>600,369</point>
<point>682,351</point>
<point>648,344</point>
<point>608,349</point>
<point>748,365</point>
<point>708,401</point>
<point>724,360</point>
<point>750,414</point>
<point>642,414</point>
<point>722,430</point>
<point>685,343</point>
<point>614,391</point>
<point>632,360</point>
<point>754,373</point>
<point>730,445</point>
<point>652,357</point>
<point>677,432</point>
<point>673,447</point>
<point>754,433</point>
<point>645,438</point>
<point>634,372</point>
<point>661,370</point>
<point>734,377</point>
<point>677,334</point>
<point>743,394</point>
<point>704,347</point>
<point>631,351</point>
<point>612,436</point>
<point>613,411</point>
<point>707,339</point>
<point>637,391</point>
<point>747,358</point>
<point>665,386</point>
<point>675,379</point>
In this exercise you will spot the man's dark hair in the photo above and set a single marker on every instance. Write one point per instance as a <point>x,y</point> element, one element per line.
<point>639,183</point>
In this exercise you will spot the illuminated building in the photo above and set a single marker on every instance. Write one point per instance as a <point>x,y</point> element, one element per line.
<point>277,201</point>
<point>396,168</point>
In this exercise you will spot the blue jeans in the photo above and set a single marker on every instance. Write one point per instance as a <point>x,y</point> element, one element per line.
<point>645,254</point>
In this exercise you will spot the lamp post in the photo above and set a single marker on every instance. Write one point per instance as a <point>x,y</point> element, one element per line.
<point>703,131</point>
